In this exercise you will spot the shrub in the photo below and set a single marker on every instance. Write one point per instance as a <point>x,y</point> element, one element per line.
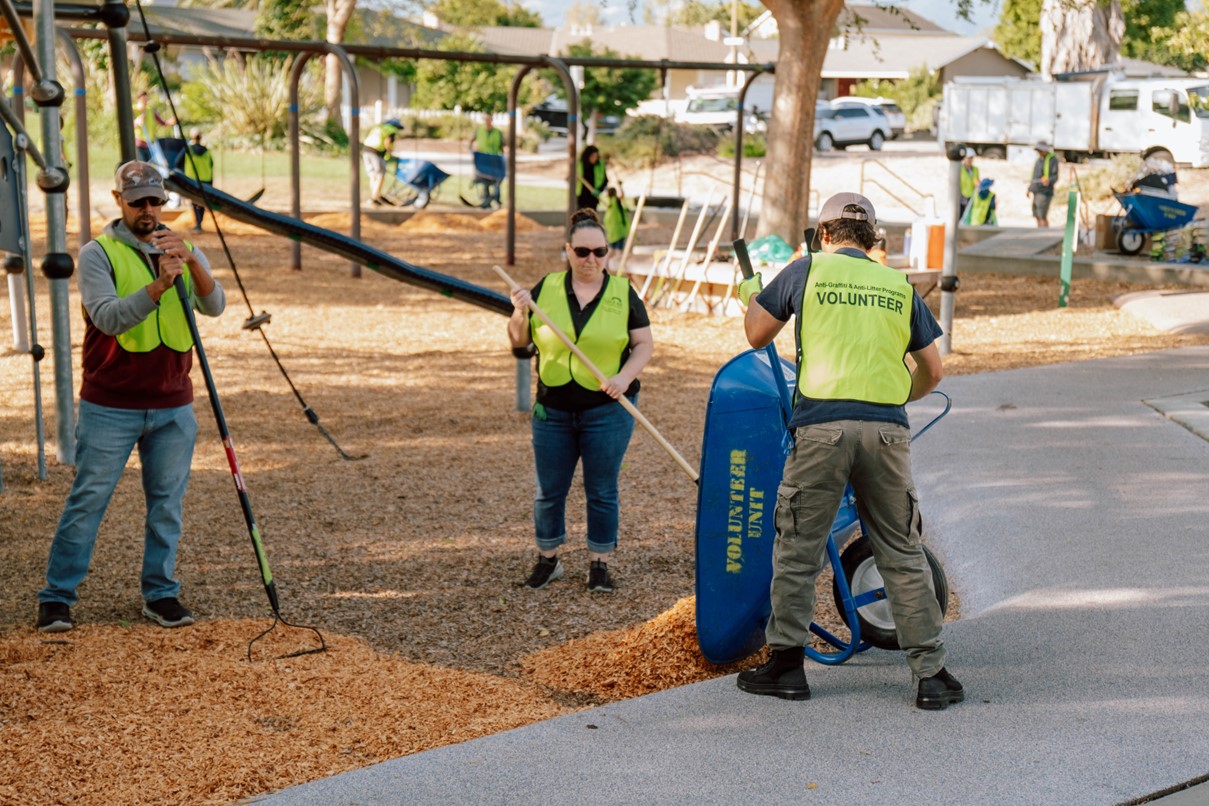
<point>754,145</point>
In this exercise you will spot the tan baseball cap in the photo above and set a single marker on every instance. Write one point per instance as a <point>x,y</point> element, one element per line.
<point>833,208</point>
<point>139,180</point>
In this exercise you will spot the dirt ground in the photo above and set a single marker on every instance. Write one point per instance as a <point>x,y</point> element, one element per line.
<point>407,560</point>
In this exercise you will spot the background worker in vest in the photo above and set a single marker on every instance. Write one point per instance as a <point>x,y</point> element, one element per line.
<point>592,179</point>
<point>147,124</point>
<point>135,391</point>
<point>376,149</point>
<point>616,220</point>
<point>1045,174</point>
<point>199,166</point>
<point>980,212</point>
<point>488,140</point>
<point>969,179</point>
<point>576,417</point>
<point>856,323</point>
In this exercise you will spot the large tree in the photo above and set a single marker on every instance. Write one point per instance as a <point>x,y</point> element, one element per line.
<point>1080,35</point>
<point>609,90</point>
<point>805,28</point>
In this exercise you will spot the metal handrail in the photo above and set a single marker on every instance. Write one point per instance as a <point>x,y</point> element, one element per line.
<point>924,197</point>
<point>891,194</point>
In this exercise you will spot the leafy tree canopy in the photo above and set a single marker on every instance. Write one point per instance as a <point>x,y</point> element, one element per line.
<point>610,89</point>
<point>689,13</point>
<point>473,86</point>
<point>1018,34</point>
<point>470,13</point>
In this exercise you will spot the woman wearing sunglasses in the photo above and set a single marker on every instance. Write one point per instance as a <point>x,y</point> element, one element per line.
<point>576,417</point>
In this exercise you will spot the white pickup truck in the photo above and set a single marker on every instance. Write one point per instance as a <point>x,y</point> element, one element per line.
<point>1091,114</point>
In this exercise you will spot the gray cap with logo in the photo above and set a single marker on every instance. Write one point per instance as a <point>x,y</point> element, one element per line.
<point>139,180</point>
<point>833,208</point>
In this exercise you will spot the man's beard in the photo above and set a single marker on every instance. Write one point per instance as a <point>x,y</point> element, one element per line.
<point>142,225</point>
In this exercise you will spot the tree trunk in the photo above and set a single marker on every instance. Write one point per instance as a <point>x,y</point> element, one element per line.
<point>1079,35</point>
<point>806,28</point>
<point>339,12</point>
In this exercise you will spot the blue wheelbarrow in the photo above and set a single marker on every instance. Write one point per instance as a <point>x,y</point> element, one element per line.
<point>489,171</point>
<point>421,177</point>
<point>1144,214</point>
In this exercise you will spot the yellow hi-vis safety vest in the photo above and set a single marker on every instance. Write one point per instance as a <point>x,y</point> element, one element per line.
<point>979,209</point>
<point>603,339</point>
<point>854,327</point>
<point>204,164</point>
<point>167,324</point>
<point>969,181</point>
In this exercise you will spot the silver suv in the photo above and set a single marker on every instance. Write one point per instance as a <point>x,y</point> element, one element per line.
<point>840,124</point>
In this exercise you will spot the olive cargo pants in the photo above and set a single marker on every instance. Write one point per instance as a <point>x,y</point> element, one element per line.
<point>875,458</point>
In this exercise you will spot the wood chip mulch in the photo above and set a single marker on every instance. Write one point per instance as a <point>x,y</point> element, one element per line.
<point>408,560</point>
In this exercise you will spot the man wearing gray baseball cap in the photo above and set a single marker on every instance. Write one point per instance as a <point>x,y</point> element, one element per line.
<point>135,392</point>
<point>856,321</point>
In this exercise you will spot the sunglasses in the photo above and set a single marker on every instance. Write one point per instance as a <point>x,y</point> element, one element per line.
<point>139,204</point>
<point>582,252</point>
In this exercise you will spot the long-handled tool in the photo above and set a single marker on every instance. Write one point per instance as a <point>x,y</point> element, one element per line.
<point>245,503</point>
<point>623,400</point>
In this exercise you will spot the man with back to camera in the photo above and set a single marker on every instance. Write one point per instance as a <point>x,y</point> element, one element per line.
<point>856,322</point>
<point>1041,188</point>
<point>135,391</point>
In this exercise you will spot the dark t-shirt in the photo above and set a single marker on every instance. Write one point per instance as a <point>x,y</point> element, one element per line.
<point>783,298</point>
<point>571,396</point>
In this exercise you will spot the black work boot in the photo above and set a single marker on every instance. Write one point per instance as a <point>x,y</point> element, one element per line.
<point>783,676</point>
<point>936,692</point>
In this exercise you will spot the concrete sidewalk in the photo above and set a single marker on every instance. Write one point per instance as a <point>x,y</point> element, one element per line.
<point>1073,521</point>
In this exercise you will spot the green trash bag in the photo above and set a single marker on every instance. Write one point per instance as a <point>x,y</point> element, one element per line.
<point>771,249</point>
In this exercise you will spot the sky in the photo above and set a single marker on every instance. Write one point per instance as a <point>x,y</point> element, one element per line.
<point>941,12</point>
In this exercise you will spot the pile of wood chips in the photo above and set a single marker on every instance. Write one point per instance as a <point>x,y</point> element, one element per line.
<point>619,664</point>
<point>138,714</point>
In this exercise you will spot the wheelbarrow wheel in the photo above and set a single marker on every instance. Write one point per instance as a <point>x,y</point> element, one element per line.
<point>1130,241</point>
<point>876,618</point>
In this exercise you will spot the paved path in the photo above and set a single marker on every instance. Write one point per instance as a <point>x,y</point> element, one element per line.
<point>1073,521</point>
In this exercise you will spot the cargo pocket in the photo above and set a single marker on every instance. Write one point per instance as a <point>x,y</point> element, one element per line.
<point>787,515</point>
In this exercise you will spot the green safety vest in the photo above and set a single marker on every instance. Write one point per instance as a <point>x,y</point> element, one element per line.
<point>598,174</point>
<point>616,222</point>
<point>969,181</point>
<point>378,135</point>
<point>1049,159</point>
<point>204,163</point>
<point>167,324</point>
<point>489,141</point>
<point>603,339</point>
<point>978,210</point>
<point>854,329</point>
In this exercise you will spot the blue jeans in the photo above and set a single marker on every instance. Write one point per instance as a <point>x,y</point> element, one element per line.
<point>599,436</point>
<point>104,440</point>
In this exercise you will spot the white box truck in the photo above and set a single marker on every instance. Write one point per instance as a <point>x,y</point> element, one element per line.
<point>1086,115</point>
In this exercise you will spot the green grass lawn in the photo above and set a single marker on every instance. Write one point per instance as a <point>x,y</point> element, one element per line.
<point>325,180</point>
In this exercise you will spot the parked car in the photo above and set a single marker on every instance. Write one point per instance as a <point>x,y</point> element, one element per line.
<point>839,125</point>
<point>553,112</point>
<point>896,117</point>
<point>716,108</point>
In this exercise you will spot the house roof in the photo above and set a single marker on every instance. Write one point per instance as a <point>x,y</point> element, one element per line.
<point>215,22</point>
<point>887,55</point>
<point>645,42</point>
<point>885,18</point>
<point>511,41</point>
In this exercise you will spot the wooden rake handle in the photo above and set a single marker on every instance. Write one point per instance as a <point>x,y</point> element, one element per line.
<point>600,376</point>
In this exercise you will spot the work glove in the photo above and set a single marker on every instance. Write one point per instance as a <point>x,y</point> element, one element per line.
<point>750,287</point>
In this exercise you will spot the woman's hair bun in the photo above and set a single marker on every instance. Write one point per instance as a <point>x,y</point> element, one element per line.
<point>584,214</point>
